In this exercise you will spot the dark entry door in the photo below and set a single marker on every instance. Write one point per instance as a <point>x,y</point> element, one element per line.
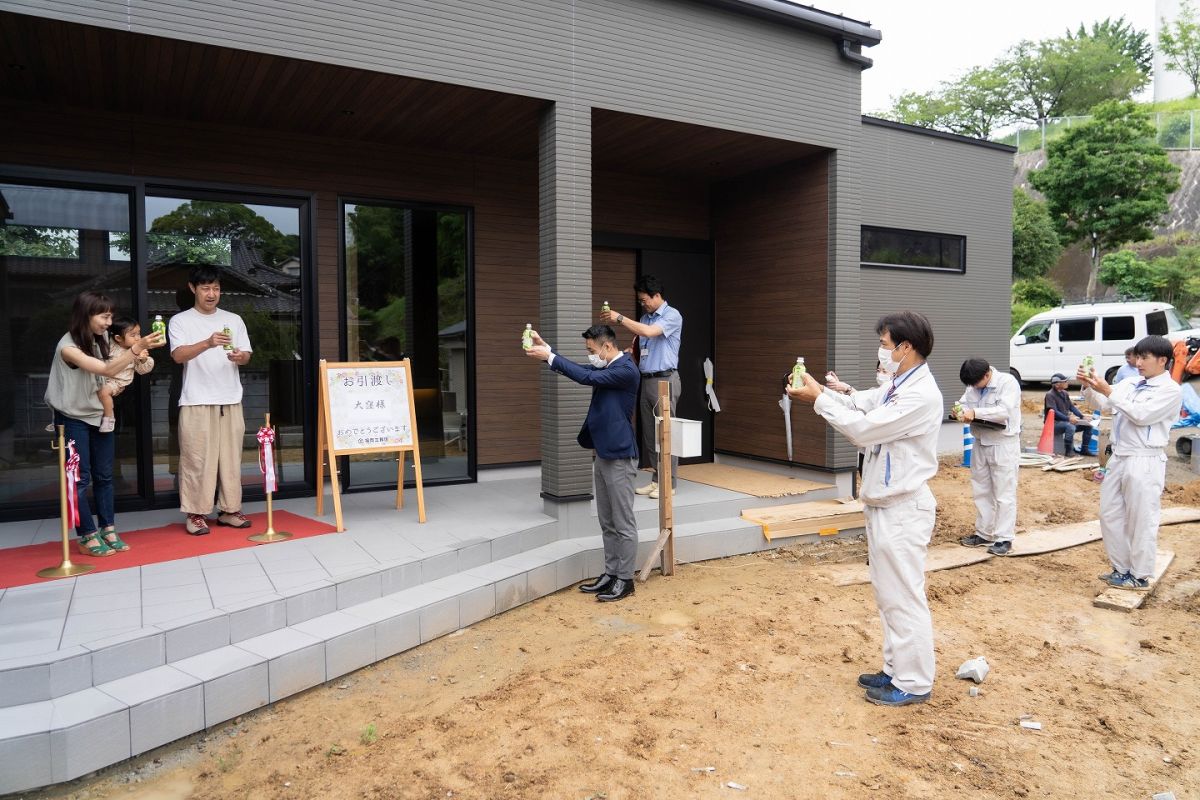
<point>687,285</point>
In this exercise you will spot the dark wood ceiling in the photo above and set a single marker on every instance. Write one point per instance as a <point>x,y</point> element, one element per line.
<point>52,62</point>
<point>61,63</point>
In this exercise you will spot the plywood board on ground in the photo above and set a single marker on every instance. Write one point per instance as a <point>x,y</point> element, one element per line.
<point>946,556</point>
<point>748,481</point>
<point>1064,536</point>
<point>1126,600</point>
<point>826,526</point>
<point>774,515</point>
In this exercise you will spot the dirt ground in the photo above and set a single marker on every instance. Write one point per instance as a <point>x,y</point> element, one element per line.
<point>737,678</point>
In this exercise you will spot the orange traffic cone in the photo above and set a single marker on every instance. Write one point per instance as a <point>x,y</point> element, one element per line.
<point>1046,443</point>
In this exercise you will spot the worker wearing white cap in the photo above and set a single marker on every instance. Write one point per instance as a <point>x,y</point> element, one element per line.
<point>897,424</point>
<point>1131,495</point>
<point>992,404</point>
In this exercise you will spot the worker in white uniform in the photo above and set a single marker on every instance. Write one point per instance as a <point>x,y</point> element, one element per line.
<point>1131,495</point>
<point>992,397</point>
<point>897,425</point>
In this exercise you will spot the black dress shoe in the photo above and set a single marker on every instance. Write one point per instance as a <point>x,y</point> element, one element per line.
<point>597,585</point>
<point>620,589</point>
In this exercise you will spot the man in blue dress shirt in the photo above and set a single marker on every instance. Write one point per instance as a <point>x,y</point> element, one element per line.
<point>607,429</point>
<point>658,333</point>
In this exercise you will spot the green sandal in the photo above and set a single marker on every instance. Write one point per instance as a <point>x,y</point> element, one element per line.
<point>93,545</point>
<point>114,541</point>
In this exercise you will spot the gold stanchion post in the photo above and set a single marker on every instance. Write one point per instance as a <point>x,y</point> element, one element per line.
<point>270,534</point>
<point>66,569</point>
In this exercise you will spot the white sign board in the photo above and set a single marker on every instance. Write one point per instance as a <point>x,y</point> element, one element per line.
<point>369,408</point>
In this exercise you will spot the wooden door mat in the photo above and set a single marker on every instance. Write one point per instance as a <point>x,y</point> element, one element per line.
<point>1126,600</point>
<point>950,556</point>
<point>748,481</point>
<point>825,517</point>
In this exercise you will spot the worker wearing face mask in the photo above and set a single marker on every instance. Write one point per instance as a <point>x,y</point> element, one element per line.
<point>607,429</point>
<point>898,426</point>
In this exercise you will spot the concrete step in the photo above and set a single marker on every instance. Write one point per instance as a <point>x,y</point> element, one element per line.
<point>723,504</point>
<point>98,707</point>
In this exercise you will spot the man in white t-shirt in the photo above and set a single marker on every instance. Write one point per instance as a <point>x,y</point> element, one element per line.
<point>211,344</point>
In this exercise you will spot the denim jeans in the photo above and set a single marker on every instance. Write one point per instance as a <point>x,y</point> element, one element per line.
<point>1066,431</point>
<point>95,469</point>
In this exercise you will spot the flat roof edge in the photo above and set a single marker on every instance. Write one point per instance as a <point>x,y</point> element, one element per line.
<point>936,134</point>
<point>805,17</point>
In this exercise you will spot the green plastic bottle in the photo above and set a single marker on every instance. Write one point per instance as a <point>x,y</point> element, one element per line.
<point>158,326</point>
<point>228,333</point>
<point>798,373</point>
<point>527,336</point>
<point>605,307</point>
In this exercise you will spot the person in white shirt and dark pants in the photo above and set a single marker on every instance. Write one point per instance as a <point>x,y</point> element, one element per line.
<point>992,397</point>
<point>897,425</point>
<point>1131,495</point>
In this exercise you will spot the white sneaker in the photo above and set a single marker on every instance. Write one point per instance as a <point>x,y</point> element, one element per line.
<point>107,424</point>
<point>647,489</point>
<point>653,492</point>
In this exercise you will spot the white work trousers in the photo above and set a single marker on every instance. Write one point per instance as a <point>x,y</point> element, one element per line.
<point>1130,505</point>
<point>994,484</point>
<point>897,538</point>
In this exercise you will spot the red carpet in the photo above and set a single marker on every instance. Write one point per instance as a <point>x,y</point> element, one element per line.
<point>19,565</point>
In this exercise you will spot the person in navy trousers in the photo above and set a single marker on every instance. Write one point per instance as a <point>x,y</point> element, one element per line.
<point>608,429</point>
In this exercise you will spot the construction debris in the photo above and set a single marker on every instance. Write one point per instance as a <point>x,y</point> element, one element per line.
<point>975,669</point>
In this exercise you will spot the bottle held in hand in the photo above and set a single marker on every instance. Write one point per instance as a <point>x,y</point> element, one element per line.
<point>1088,365</point>
<point>527,336</point>
<point>158,326</point>
<point>228,333</point>
<point>957,410</point>
<point>604,307</point>
<point>798,373</point>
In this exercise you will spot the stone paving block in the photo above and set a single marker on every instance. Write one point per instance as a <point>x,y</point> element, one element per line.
<point>398,577</point>
<point>350,651</point>
<point>439,566</point>
<point>569,570</point>
<point>354,590</point>
<point>198,636</point>
<point>106,584</point>
<point>507,545</point>
<point>90,730</point>
<point>166,613</point>
<point>296,661</point>
<point>20,685</point>
<point>165,704</point>
<point>249,618</point>
<point>229,558</point>
<point>71,671</point>
<point>476,605</point>
<point>26,761</point>
<point>235,681</point>
<point>161,595</point>
<point>474,555</point>
<point>439,618</point>
<point>126,654</point>
<point>543,580</point>
<point>397,634</point>
<point>536,537</point>
<point>593,562</point>
<point>311,603</point>
<point>243,570</point>
<point>192,576</point>
<point>512,592</point>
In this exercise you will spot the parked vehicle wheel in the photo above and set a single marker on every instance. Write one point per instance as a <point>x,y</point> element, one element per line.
<point>1112,373</point>
<point>1016,375</point>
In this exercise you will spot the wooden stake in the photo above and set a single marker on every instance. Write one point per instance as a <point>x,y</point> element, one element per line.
<point>665,546</point>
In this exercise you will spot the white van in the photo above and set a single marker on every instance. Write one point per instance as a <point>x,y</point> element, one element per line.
<point>1058,339</point>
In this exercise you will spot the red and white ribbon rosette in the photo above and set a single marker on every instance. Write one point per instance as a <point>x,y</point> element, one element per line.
<point>266,456</point>
<point>72,470</point>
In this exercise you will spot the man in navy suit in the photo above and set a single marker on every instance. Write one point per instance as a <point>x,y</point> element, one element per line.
<point>608,429</point>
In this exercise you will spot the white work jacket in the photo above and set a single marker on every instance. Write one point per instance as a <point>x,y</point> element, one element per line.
<point>1145,410</point>
<point>1000,402</point>
<point>899,433</point>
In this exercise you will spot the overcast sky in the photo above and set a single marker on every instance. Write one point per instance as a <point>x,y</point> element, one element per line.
<point>928,41</point>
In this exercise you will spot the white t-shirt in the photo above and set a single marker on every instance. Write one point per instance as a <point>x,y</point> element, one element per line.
<point>209,379</point>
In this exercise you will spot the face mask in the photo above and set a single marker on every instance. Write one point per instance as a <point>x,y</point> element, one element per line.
<point>596,361</point>
<point>885,359</point>
<point>882,378</point>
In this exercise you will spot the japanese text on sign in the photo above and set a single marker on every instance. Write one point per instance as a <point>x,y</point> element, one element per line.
<point>369,408</point>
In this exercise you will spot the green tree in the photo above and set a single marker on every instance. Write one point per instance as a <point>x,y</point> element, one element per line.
<point>1177,279</point>
<point>1106,182</point>
<point>1180,43</point>
<point>1121,36</point>
<point>1129,275</point>
<point>1035,242</point>
<point>199,220</point>
<point>974,105</point>
<point>1039,292</point>
<point>1065,76</point>
<point>26,241</point>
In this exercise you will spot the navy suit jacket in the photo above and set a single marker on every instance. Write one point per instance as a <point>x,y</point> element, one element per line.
<point>608,428</point>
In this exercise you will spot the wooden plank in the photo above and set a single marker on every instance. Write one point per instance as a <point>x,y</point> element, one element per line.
<point>1065,462</point>
<point>1073,467</point>
<point>775,515</point>
<point>946,556</point>
<point>826,526</point>
<point>1126,600</point>
<point>1064,536</point>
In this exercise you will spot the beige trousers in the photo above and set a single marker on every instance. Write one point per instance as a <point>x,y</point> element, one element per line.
<point>210,454</point>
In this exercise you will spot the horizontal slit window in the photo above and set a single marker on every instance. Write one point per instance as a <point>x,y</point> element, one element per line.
<point>903,249</point>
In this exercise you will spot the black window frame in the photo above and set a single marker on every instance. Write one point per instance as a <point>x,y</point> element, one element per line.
<point>1132,328</point>
<point>1067,322</point>
<point>940,239</point>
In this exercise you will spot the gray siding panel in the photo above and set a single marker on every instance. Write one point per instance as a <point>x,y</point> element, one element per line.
<point>673,59</point>
<point>924,183</point>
